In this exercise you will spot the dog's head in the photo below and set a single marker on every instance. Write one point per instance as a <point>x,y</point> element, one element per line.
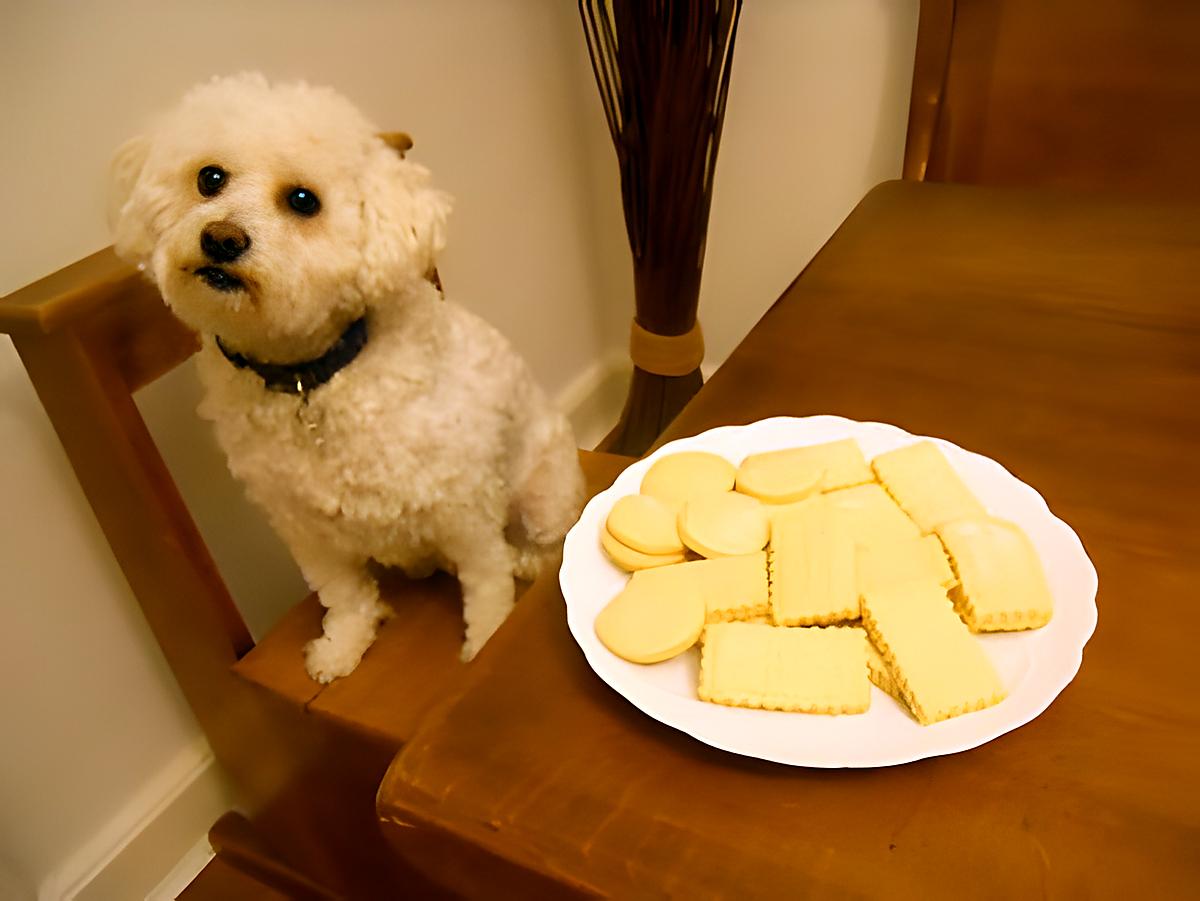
<point>273,215</point>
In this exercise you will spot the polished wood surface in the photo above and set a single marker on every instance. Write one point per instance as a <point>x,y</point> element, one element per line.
<point>935,27</point>
<point>220,880</point>
<point>69,294</point>
<point>1088,94</point>
<point>1060,336</point>
<point>245,868</point>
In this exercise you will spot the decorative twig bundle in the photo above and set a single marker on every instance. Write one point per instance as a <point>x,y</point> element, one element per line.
<point>662,67</point>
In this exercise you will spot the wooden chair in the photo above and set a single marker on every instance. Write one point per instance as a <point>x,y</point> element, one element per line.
<point>1073,94</point>
<point>306,759</point>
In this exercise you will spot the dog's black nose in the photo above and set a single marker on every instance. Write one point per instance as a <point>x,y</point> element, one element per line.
<point>224,242</point>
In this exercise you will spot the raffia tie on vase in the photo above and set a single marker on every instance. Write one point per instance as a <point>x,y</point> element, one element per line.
<point>666,354</point>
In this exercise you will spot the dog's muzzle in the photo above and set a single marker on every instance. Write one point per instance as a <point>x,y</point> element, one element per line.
<point>220,279</point>
<point>224,242</point>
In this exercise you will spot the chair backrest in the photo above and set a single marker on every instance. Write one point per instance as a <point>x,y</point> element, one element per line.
<point>90,335</point>
<point>1079,94</point>
<point>305,769</point>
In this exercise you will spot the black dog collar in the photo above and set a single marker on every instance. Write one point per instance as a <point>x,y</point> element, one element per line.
<point>300,378</point>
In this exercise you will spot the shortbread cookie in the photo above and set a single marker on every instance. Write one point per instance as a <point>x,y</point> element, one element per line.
<point>778,477</point>
<point>724,524</point>
<point>646,524</point>
<point>1002,586</point>
<point>734,588</point>
<point>775,512</point>
<point>890,563</point>
<point>925,485</point>
<point>759,619</point>
<point>837,464</point>
<point>880,675</point>
<point>811,563</point>
<point>629,559</point>
<point>806,670</point>
<point>872,516</point>
<point>677,477</point>
<point>938,665</point>
<point>659,614</point>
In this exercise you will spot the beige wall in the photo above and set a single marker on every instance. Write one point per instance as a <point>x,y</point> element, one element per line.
<point>499,96</point>
<point>817,112</point>
<point>478,83</point>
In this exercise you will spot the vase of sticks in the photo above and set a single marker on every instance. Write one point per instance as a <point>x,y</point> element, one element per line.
<point>662,68</point>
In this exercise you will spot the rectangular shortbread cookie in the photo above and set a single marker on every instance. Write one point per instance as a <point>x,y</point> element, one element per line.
<point>763,620</point>
<point>925,485</point>
<point>842,463</point>
<point>880,675</point>
<point>912,559</point>
<point>734,588</point>
<point>1002,586</point>
<point>940,668</point>
<point>814,670</point>
<point>871,515</point>
<point>811,566</point>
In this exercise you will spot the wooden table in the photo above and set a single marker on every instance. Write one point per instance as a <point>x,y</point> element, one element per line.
<point>1058,335</point>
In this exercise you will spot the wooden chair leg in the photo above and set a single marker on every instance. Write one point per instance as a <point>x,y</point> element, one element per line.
<point>235,840</point>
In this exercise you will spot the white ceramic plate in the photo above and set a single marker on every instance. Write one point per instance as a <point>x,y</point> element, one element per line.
<point>1034,666</point>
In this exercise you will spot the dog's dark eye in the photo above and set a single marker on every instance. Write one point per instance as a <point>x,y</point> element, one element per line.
<point>303,201</point>
<point>211,180</point>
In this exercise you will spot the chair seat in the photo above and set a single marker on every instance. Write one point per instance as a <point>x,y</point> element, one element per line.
<point>412,664</point>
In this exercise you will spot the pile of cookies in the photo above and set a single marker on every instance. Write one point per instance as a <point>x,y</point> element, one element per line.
<point>808,573</point>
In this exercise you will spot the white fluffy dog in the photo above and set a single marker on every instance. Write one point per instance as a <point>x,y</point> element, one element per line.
<point>371,419</point>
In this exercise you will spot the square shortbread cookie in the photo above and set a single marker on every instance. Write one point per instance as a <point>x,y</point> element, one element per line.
<point>734,588</point>
<point>1002,586</point>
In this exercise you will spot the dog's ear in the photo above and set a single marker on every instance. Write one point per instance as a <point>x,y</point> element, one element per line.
<point>399,141</point>
<point>404,222</point>
<point>128,226</point>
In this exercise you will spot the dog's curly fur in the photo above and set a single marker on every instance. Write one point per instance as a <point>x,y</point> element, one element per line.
<point>434,447</point>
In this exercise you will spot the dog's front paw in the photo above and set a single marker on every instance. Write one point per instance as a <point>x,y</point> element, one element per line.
<point>469,649</point>
<point>477,636</point>
<point>326,660</point>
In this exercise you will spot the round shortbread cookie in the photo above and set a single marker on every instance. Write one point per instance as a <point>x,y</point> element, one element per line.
<point>769,479</point>
<point>659,614</point>
<point>646,524</point>
<point>678,477</point>
<point>629,559</point>
<point>722,525</point>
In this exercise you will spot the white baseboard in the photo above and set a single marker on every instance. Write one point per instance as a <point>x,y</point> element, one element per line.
<point>153,834</point>
<point>593,399</point>
<point>182,874</point>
